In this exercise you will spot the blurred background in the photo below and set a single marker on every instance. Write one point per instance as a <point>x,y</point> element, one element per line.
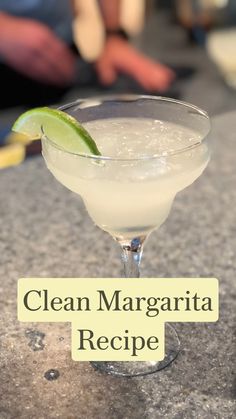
<point>53,52</point>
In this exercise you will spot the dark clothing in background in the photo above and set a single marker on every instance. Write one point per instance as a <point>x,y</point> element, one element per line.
<point>18,90</point>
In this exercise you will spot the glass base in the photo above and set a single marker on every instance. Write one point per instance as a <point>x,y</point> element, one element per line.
<point>134,369</point>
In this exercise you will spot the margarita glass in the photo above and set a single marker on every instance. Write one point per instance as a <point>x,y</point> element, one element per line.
<point>151,148</point>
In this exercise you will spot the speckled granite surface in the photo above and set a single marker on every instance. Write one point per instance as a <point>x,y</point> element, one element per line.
<point>45,231</point>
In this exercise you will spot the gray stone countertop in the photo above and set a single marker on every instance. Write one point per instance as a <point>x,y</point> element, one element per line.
<point>46,232</point>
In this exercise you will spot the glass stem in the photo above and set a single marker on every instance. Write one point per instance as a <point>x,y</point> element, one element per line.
<point>131,256</point>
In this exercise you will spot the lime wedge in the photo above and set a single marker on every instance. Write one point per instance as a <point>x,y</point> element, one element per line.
<point>61,128</point>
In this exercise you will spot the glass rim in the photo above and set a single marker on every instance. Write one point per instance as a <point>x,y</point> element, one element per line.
<point>127,98</point>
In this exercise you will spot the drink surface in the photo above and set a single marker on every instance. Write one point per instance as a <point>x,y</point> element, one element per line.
<point>131,193</point>
<point>128,138</point>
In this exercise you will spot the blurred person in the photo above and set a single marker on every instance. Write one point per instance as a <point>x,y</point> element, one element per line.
<point>200,16</point>
<point>37,59</point>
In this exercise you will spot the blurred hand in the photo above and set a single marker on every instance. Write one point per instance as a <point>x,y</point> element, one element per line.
<point>32,49</point>
<point>111,13</point>
<point>120,57</point>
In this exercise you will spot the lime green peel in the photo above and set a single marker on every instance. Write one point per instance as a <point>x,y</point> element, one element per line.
<point>59,127</point>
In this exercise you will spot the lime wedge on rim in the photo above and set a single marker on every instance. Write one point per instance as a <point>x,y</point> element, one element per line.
<point>61,128</point>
